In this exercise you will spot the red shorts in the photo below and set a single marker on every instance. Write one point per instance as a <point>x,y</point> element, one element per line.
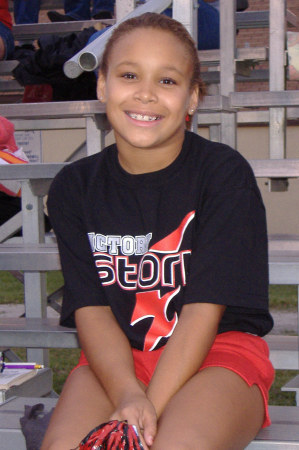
<point>243,353</point>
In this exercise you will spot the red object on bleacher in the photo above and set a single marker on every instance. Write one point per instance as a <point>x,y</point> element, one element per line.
<point>37,93</point>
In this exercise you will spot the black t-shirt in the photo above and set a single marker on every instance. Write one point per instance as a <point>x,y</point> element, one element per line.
<point>148,244</point>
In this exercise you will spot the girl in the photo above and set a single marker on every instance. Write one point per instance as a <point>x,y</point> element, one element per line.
<point>163,245</point>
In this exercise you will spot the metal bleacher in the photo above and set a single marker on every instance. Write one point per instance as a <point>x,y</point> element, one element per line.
<point>221,112</point>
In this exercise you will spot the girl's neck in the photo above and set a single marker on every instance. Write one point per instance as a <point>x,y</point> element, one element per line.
<point>139,160</point>
<point>146,163</point>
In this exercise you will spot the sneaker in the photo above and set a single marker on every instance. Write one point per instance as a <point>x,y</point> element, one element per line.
<point>103,15</point>
<point>55,16</point>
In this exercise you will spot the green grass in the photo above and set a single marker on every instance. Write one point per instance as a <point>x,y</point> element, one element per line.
<point>283,297</point>
<point>63,360</point>
<point>278,397</point>
<point>12,289</point>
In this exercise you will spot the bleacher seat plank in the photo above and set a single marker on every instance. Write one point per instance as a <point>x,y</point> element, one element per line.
<point>292,385</point>
<point>6,67</point>
<point>260,19</point>
<point>63,109</point>
<point>38,386</point>
<point>265,168</point>
<point>283,351</point>
<point>266,100</point>
<point>212,57</point>
<point>36,333</point>
<point>30,171</point>
<point>283,269</point>
<point>10,86</point>
<point>282,434</point>
<point>284,241</point>
<point>275,168</point>
<point>42,257</point>
<point>35,30</point>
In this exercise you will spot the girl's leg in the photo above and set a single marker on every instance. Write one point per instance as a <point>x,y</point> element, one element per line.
<point>7,42</point>
<point>2,49</point>
<point>82,406</point>
<point>216,409</point>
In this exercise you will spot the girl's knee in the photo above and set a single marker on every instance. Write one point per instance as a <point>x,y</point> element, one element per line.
<point>185,443</point>
<point>57,444</point>
<point>182,446</point>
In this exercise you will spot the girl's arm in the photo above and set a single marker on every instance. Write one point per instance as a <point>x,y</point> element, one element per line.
<point>110,357</point>
<point>185,351</point>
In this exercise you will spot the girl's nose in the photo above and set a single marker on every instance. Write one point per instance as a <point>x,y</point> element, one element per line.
<point>145,92</point>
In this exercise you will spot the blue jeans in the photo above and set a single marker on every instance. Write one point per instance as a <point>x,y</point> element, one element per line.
<point>26,11</point>
<point>208,36</point>
<point>80,9</point>
<point>8,40</point>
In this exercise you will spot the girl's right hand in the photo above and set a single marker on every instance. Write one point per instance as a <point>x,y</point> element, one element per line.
<point>138,411</point>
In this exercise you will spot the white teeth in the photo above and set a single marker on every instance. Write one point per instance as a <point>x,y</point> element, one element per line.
<point>143,117</point>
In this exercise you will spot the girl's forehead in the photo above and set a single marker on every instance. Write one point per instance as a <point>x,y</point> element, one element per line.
<point>143,40</point>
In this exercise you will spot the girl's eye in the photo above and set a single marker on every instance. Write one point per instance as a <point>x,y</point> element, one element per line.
<point>167,81</point>
<point>129,76</point>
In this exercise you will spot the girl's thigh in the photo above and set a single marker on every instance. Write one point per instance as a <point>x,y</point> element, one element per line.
<point>82,406</point>
<point>216,409</point>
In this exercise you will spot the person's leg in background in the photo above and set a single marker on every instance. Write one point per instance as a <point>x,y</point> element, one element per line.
<point>26,11</point>
<point>7,43</point>
<point>103,9</point>
<point>78,9</point>
<point>207,25</point>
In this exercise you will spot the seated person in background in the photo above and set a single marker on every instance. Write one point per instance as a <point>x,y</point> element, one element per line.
<point>80,10</point>
<point>10,190</point>
<point>6,37</point>
<point>208,22</point>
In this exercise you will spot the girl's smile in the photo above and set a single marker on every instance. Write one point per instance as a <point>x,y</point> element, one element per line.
<point>147,94</point>
<point>143,118</point>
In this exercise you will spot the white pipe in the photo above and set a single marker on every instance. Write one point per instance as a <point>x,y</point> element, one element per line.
<point>88,59</point>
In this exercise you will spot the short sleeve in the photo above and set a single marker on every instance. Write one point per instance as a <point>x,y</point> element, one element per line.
<point>229,262</point>
<point>82,285</point>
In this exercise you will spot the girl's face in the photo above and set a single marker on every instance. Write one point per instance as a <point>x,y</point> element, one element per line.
<point>147,90</point>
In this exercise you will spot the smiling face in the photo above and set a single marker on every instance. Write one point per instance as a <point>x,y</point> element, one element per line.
<point>147,92</point>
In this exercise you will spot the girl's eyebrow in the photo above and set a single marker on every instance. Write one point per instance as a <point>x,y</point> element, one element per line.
<point>168,68</point>
<point>126,63</point>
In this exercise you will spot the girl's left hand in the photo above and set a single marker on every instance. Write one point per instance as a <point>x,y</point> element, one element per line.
<point>138,411</point>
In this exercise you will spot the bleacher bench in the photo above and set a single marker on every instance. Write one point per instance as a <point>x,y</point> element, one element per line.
<point>41,332</point>
<point>282,434</point>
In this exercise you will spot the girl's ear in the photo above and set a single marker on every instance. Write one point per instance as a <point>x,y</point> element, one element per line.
<point>194,99</point>
<point>101,88</point>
